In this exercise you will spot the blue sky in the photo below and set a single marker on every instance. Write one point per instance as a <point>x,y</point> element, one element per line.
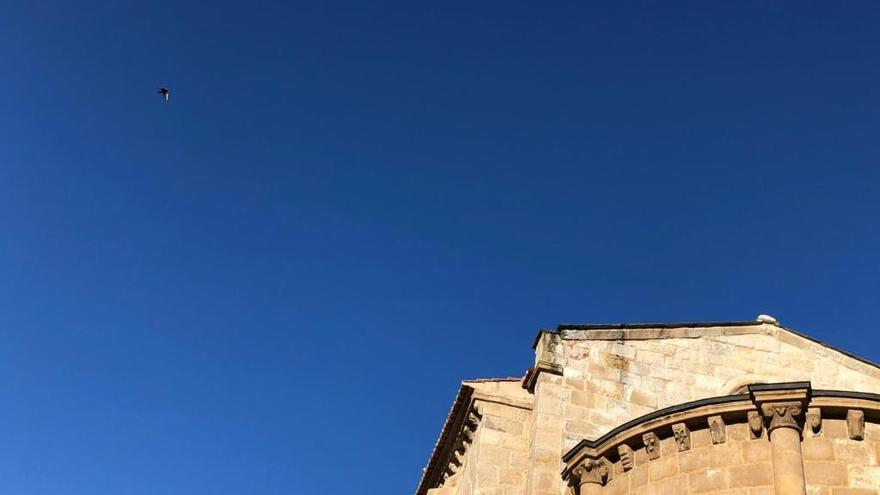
<point>274,283</point>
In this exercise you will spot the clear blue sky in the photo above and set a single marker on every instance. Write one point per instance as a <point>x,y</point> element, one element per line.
<point>273,284</point>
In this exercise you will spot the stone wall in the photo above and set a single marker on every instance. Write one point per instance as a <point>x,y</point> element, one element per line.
<point>496,460</point>
<point>588,382</point>
<point>739,466</point>
<point>613,377</point>
<point>716,448</point>
<point>835,464</point>
<point>596,380</point>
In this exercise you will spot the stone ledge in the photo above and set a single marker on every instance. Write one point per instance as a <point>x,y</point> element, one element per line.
<point>531,378</point>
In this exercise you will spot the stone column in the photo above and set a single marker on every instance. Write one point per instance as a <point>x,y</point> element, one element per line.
<point>590,476</point>
<point>782,406</point>
<point>785,442</point>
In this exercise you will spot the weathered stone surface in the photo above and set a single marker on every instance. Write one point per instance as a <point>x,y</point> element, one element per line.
<point>682,436</point>
<point>717,429</point>
<point>652,445</point>
<point>598,379</point>
<point>855,423</point>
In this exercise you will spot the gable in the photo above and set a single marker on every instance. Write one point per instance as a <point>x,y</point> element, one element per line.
<point>617,373</point>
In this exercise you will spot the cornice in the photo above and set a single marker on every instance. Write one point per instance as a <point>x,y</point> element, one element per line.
<point>713,413</point>
<point>531,378</point>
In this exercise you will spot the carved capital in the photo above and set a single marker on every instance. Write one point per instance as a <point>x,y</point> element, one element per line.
<point>590,471</point>
<point>782,404</point>
<point>783,415</point>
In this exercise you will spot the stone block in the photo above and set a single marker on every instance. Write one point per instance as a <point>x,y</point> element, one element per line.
<point>825,473</point>
<point>864,476</point>
<point>617,486</point>
<point>638,478</point>
<point>834,428</point>
<point>643,398</point>
<point>511,476</point>
<point>582,399</point>
<point>623,350</point>
<point>693,460</point>
<point>727,454</point>
<point>756,452</point>
<point>751,475</point>
<point>710,480</point>
<point>662,468</point>
<point>818,449</point>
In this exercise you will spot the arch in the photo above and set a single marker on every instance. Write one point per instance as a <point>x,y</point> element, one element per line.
<point>740,384</point>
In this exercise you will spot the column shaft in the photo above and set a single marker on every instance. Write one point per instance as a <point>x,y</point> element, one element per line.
<point>788,463</point>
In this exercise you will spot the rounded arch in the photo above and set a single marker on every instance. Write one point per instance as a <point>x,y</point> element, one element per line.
<point>740,384</point>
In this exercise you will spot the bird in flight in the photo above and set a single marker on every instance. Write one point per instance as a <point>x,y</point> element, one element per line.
<point>165,92</point>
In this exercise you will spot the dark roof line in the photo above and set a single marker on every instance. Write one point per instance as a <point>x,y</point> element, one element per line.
<point>495,380</point>
<point>688,324</point>
<point>441,449</point>
<point>637,326</point>
<point>703,324</point>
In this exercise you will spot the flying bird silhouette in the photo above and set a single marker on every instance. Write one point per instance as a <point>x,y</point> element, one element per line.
<point>165,92</point>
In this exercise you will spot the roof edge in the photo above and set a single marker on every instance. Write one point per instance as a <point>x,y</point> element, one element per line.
<point>454,419</point>
<point>646,326</point>
<point>711,324</point>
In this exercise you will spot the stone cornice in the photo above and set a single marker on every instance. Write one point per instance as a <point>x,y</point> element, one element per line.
<point>531,378</point>
<point>433,472</point>
<point>645,331</point>
<point>709,413</point>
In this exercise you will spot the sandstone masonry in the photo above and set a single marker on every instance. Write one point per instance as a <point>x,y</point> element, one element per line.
<point>737,408</point>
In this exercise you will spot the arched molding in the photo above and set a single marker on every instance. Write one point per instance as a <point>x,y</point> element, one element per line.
<point>740,384</point>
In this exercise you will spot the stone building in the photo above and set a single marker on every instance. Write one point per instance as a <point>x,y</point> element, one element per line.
<point>734,408</point>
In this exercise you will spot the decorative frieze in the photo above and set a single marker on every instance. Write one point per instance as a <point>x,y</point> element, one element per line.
<point>855,423</point>
<point>626,456</point>
<point>788,412</point>
<point>682,436</point>
<point>814,420</point>
<point>756,424</point>
<point>717,429</point>
<point>652,445</point>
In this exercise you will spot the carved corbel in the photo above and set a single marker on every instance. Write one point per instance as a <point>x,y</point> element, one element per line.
<point>756,424</point>
<point>626,456</point>
<point>652,445</point>
<point>594,471</point>
<point>467,436</point>
<point>717,429</point>
<point>682,436</point>
<point>855,423</point>
<point>814,420</point>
